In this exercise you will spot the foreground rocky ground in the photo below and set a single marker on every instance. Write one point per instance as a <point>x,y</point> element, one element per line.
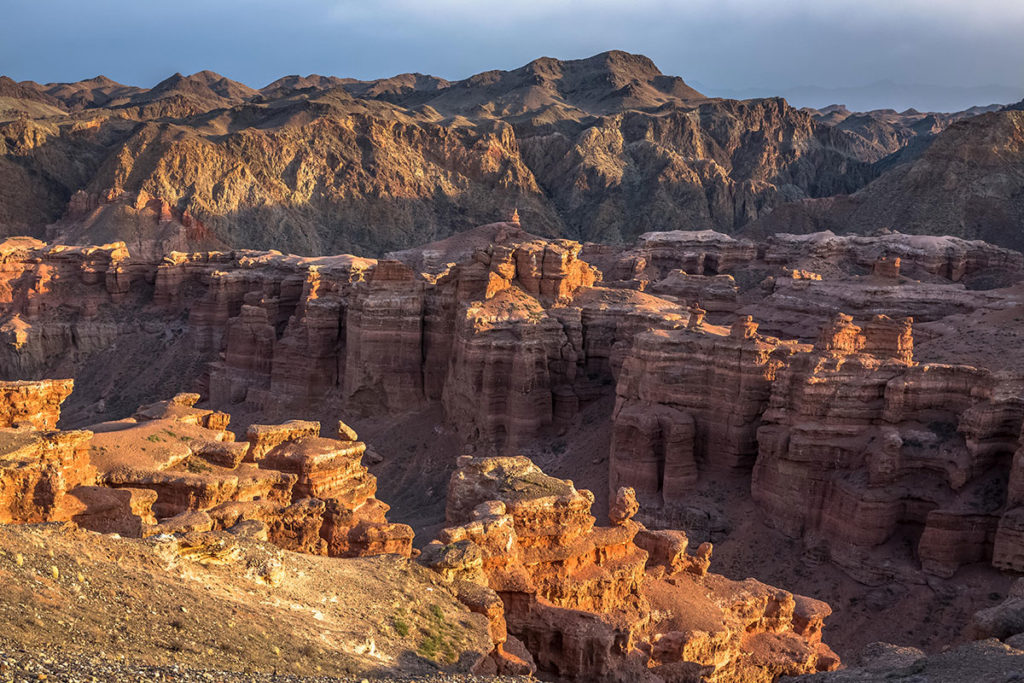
<point>24,666</point>
<point>168,542</point>
<point>239,605</point>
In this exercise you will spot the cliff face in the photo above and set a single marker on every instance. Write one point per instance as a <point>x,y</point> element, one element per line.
<point>857,444</point>
<point>691,396</point>
<point>33,404</point>
<point>617,602</point>
<point>517,338</point>
<point>853,445</point>
<point>600,149</point>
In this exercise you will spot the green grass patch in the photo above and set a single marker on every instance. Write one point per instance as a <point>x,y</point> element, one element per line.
<point>435,646</point>
<point>197,466</point>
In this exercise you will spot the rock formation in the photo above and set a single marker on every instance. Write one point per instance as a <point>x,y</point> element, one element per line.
<point>611,603</point>
<point>691,396</point>
<point>33,404</point>
<point>883,447</point>
<point>174,468</point>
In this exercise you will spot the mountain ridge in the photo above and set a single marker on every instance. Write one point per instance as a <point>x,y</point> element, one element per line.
<point>598,149</point>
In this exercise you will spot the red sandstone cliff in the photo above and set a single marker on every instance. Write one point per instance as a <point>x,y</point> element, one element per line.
<point>517,339</point>
<point>610,603</point>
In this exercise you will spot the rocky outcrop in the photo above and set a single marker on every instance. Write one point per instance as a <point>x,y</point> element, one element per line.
<point>947,256</point>
<point>33,404</point>
<point>38,470</point>
<point>590,603</point>
<point>174,468</point>
<point>311,493</point>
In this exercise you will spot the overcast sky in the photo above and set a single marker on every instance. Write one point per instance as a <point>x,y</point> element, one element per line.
<point>727,45</point>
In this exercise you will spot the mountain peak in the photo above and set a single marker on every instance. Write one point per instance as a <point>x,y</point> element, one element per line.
<point>204,84</point>
<point>638,64</point>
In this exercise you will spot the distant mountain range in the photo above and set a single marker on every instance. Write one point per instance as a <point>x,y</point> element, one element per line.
<point>883,95</point>
<point>599,149</point>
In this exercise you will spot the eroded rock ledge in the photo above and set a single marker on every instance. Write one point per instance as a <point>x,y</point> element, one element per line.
<point>173,468</point>
<point>610,603</point>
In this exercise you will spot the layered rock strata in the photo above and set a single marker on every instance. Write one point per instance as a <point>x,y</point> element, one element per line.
<point>852,443</point>
<point>517,338</point>
<point>35,405</point>
<point>691,398</point>
<point>593,603</point>
<point>175,468</point>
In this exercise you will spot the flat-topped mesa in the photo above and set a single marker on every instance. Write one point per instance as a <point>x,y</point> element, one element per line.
<point>689,399</point>
<point>716,293</point>
<point>35,404</point>
<point>952,258</point>
<point>657,254</point>
<point>639,606</point>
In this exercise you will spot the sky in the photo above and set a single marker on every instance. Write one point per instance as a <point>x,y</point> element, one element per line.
<point>724,47</point>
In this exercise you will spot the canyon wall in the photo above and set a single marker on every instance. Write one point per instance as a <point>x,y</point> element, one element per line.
<point>852,442</point>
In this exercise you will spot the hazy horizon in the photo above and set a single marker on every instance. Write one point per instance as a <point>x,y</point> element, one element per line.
<point>724,48</point>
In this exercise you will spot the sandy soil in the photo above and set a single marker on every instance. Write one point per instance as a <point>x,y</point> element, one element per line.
<point>247,607</point>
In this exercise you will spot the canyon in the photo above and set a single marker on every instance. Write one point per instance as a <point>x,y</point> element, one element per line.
<point>838,415</point>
